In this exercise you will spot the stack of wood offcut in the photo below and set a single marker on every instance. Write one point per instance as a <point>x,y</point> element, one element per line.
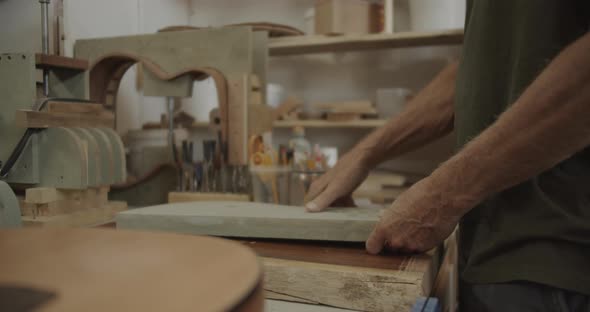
<point>51,207</point>
<point>347,110</point>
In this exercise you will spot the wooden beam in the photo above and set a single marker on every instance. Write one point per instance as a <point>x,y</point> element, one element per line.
<point>56,61</point>
<point>181,197</point>
<point>355,288</point>
<point>324,44</point>
<point>35,119</point>
<point>67,107</point>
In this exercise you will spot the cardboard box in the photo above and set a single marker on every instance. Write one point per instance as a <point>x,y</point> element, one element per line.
<point>347,17</point>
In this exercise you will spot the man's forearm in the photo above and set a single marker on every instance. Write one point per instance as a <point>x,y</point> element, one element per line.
<point>547,124</point>
<point>427,117</point>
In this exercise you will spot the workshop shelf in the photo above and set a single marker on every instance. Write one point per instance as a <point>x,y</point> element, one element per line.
<point>322,43</point>
<point>317,123</point>
<point>362,123</point>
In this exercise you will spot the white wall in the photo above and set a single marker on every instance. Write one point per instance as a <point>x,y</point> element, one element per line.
<point>337,76</point>
<point>107,18</point>
<point>20,23</point>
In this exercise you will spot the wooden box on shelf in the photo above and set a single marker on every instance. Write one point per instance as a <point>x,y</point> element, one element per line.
<point>346,17</point>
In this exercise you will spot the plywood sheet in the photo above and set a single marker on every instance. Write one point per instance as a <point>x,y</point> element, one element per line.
<point>239,219</point>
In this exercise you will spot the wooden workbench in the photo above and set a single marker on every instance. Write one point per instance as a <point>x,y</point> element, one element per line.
<point>343,275</point>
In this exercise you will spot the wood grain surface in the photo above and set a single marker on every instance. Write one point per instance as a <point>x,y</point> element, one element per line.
<point>106,270</point>
<point>337,253</point>
<point>248,219</point>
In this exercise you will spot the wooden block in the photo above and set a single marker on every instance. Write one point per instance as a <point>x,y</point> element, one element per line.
<point>248,219</point>
<point>181,197</point>
<point>255,83</point>
<point>77,216</point>
<point>255,98</point>
<point>289,105</point>
<point>343,116</point>
<point>237,119</point>
<point>342,17</point>
<point>42,195</point>
<point>67,107</point>
<point>35,119</point>
<point>260,119</point>
<point>55,61</point>
<point>354,288</point>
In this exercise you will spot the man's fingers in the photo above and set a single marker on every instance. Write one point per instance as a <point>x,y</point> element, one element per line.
<point>315,189</point>
<point>322,201</point>
<point>376,240</point>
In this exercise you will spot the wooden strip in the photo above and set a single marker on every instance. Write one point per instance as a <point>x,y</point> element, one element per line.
<point>289,105</point>
<point>346,287</point>
<point>323,44</point>
<point>35,119</point>
<point>80,218</point>
<point>237,119</point>
<point>181,197</point>
<point>336,253</point>
<point>56,61</point>
<point>255,98</point>
<point>67,107</point>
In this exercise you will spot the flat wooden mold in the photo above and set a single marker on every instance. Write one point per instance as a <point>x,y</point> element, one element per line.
<point>253,220</point>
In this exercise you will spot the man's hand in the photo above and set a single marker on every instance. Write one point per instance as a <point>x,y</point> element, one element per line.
<point>336,186</point>
<point>428,116</point>
<point>419,220</point>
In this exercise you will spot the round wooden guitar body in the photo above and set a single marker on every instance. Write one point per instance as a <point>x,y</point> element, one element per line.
<point>115,270</point>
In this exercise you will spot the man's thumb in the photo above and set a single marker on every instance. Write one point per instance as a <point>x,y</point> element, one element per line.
<point>375,242</point>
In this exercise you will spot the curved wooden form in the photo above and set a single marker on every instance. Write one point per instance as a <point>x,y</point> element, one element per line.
<point>107,71</point>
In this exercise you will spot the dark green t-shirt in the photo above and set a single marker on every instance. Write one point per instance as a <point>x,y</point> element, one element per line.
<point>539,230</point>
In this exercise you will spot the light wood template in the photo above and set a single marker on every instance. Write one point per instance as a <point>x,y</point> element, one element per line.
<point>36,119</point>
<point>248,219</point>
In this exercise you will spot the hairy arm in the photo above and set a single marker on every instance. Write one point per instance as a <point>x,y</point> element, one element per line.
<point>427,117</point>
<point>547,124</point>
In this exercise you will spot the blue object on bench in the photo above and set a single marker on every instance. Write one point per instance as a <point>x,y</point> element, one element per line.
<point>424,305</point>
